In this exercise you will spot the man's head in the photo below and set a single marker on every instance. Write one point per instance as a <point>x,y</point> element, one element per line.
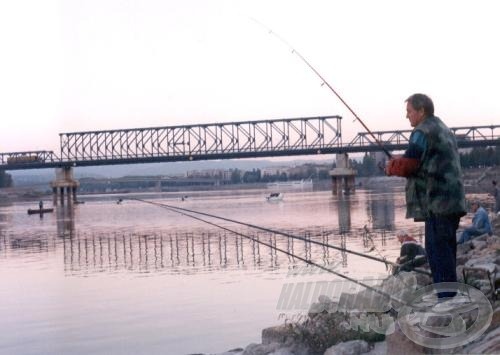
<point>418,108</point>
<point>474,205</point>
<point>401,235</point>
<point>494,183</point>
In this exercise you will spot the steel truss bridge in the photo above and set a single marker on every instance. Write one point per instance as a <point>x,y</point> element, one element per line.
<point>232,140</point>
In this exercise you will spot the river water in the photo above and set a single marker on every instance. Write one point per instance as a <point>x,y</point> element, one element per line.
<point>108,278</point>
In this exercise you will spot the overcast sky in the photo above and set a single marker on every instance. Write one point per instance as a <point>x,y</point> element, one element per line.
<point>107,64</point>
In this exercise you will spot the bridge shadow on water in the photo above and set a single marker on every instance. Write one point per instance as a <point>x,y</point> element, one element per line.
<point>85,254</point>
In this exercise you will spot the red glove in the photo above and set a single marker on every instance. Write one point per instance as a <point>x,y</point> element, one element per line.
<point>402,166</point>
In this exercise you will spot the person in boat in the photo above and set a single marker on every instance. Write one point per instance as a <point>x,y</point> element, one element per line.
<point>411,255</point>
<point>480,224</point>
<point>434,187</point>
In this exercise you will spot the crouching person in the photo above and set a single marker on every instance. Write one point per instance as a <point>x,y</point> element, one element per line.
<point>480,224</point>
<point>412,254</point>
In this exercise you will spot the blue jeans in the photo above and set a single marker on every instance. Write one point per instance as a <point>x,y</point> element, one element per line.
<point>468,234</point>
<point>441,248</point>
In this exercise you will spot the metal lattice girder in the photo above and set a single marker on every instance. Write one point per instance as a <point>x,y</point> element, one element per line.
<point>207,141</point>
<point>385,137</point>
<point>28,158</point>
<point>466,137</point>
<point>297,136</point>
<point>476,133</point>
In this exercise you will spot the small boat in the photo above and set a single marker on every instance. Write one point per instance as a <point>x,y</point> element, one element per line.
<point>275,196</point>
<point>40,210</point>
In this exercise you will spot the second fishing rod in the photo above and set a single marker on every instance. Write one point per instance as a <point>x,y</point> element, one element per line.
<point>185,212</point>
<point>270,230</point>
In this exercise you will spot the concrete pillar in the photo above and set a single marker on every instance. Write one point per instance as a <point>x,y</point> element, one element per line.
<point>64,184</point>
<point>334,185</point>
<point>343,176</point>
<point>350,184</point>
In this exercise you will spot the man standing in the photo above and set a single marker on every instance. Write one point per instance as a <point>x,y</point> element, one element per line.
<point>434,187</point>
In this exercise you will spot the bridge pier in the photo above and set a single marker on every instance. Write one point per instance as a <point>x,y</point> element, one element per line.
<point>343,175</point>
<point>64,186</point>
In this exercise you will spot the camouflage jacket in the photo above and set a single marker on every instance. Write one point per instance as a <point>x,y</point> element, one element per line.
<point>436,189</point>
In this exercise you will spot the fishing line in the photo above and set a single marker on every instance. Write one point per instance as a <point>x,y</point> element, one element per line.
<point>383,260</point>
<point>180,211</point>
<point>269,230</point>
<point>324,82</point>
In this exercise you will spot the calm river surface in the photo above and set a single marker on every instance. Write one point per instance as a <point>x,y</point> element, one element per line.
<point>111,278</point>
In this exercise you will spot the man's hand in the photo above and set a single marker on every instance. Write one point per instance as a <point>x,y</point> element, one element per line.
<point>401,166</point>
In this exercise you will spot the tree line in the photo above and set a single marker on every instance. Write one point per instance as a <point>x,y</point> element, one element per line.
<point>309,171</point>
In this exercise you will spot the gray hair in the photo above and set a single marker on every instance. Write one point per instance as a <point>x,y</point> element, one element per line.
<point>402,233</point>
<point>421,101</point>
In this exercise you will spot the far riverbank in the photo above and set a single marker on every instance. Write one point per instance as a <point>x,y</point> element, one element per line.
<point>477,180</point>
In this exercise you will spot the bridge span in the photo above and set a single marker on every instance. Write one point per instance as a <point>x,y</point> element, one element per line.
<point>231,140</point>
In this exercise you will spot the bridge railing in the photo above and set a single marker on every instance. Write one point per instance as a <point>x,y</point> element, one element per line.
<point>466,136</point>
<point>385,137</point>
<point>190,141</point>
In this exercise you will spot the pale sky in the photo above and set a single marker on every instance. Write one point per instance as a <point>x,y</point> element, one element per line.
<point>108,64</point>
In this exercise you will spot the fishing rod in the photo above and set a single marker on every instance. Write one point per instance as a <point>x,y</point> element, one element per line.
<point>181,211</point>
<point>325,82</point>
<point>269,230</point>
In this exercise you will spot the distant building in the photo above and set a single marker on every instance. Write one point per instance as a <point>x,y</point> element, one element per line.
<point>209,173</point>
<point>274,170</point>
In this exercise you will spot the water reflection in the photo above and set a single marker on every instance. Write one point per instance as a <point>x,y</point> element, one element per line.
<point>4,218</point>
<point>381,210</point>
<point>344,212</point>
<point>180,253</point>
<point>65,220</point>
<point>189,253</point>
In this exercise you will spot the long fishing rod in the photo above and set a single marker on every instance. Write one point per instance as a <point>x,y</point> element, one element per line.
<point>269,230</point>
<point>325,82</point>
<point>178,210</point>
<point>383,260</point>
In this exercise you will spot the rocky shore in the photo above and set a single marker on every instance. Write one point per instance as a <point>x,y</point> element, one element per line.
<point>350,325</point>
